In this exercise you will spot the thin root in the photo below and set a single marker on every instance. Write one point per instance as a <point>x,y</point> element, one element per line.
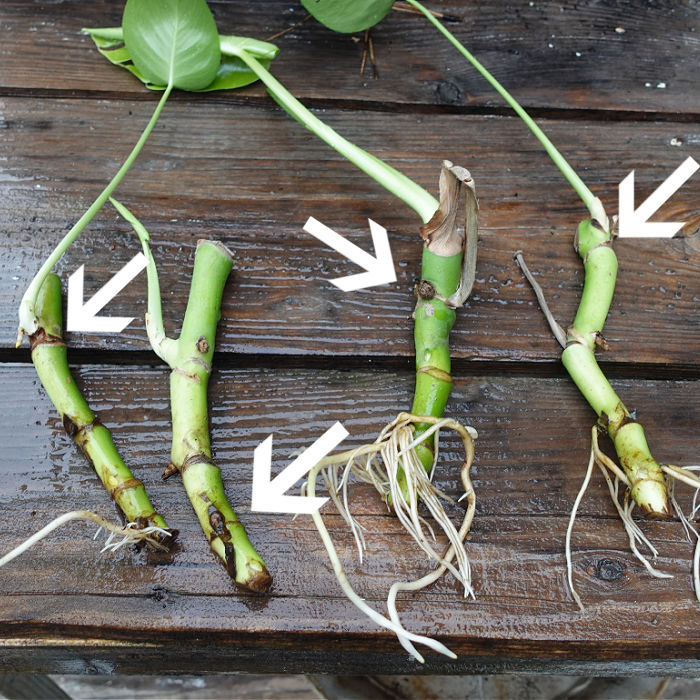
<point>401,479</point>
<point>128,534</point>
<point>607,466</point>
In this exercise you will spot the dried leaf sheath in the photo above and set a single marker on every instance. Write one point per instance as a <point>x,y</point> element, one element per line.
<point>50,359</point>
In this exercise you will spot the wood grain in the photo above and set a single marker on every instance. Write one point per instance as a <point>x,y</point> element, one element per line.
<point>60,153</point>
<point>525,482</point>
<point>614,86</point>
<point>617,57</point>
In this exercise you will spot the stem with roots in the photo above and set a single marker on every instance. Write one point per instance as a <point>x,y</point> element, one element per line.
<point>49,355</point>
<point>607,466</point>
<point>397,446</point>
<point>152,535</point>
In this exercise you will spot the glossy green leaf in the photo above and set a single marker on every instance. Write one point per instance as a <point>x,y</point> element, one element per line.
<point>172,42</point>
<point>348,16</point>
<point>232,72</point>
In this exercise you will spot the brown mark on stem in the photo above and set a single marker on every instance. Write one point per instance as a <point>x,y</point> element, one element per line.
<point>198,458</point>
<point>202,345</point>
<point>201,363</point>
<point>218,526</point>
<point>41,337</point>
<point>425,290</point>
<point>80,433</point>
<point>132,483</point>
<point>437,373</point>
<point>188,375</point>
<point>169,471</point>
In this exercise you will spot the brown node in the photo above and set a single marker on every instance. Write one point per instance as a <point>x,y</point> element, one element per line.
<point>169,471</point>
<point>425,290</point>
<point>197,458</point>
<point>41,337</point>
<point>132,483</point>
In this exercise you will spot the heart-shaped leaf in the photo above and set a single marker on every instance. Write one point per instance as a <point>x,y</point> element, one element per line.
<point>348,16</point>
<point>172,42</point>
<point>231,74</point>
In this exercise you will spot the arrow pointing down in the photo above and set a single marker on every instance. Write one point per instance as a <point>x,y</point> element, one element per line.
<point>380,270</point>
<point>633,222</point>
<point>268,496</point>
<point>83,317</point>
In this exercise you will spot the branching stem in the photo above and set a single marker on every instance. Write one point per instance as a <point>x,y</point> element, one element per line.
<point>27,312</point>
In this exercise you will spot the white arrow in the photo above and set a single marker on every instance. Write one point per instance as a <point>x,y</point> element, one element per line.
<point>380,270</point>
<point>268,496</point>
<point>633,222</point>
<point>82,317</point>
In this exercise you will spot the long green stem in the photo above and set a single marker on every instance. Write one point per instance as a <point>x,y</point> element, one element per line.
<point>648,485</point>
<point>600,263</point>
<point>190,358</point>
<point>50,359</point>
<point>27,314</point>
<point>421,201</point>
<point>191,452</point>
<point>592,203</point>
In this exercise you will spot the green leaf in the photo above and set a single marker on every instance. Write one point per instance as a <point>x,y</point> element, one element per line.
<point>231,74</point>
<point>172,42</point>
<point>347,16</point>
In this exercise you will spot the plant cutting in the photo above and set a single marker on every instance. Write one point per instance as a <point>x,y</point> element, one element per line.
<point>646,480</point>
<point>50,358</point>
<point>177,46</point>
<point>407,445</point>
<point>449,259</point>
<point>190,359</point>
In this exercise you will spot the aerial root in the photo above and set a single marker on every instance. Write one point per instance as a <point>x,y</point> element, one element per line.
<point>607,466</point>
<point>401,479</point>
<point>129,533</point>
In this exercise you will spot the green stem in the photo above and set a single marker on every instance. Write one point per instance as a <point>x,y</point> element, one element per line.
<point>421,201</point>
<point>648,485</point>
<point>440,277</point>
<point>27,314</point>
<point>190,358</point>
<point>191,452</point>
<point>592,203</point>
<point>50,359</point>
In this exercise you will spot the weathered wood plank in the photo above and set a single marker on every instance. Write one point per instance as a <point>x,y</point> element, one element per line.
<point>252,177</point>
<point>617,56</point>
<point>525,481</point>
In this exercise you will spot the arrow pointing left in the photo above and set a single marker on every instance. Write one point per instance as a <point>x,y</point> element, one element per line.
<point>269,495</point>
<point>83,317</point>
<point>633,222</point>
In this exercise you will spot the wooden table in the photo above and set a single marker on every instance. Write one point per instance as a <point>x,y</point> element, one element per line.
<point>615,85</point>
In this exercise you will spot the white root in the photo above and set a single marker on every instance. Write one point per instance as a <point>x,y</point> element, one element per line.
<point>129,533</point>
<point>634,533</point>
<point>570,528</point>
<point>402,481</point>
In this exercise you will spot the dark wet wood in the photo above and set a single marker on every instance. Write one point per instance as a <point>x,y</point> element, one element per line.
<point>295,354</point>
<point>257,203</point>
<point>617,56</point>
